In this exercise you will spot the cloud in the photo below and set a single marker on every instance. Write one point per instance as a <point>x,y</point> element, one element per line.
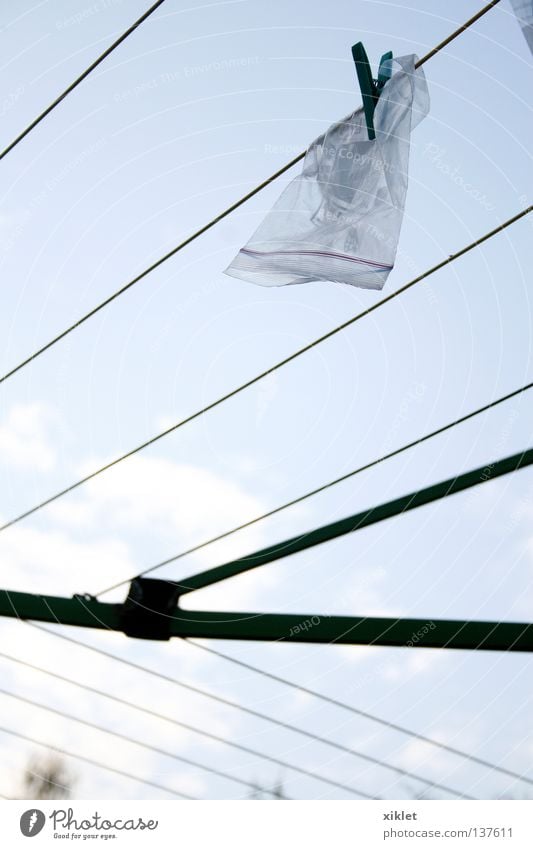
<point>26,643</point>
<point>160,507</point>
<point>52,562</point>
<point>417,755</point>
<point>111,529</point>
<point>408,665</point>
<point>83,544</point>
<point>26,437</point>
<point>123,522</point>
<point>164,495</point>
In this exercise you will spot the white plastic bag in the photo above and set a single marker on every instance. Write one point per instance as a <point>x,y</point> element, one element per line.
<point>523,10</point>
<point>340,218</point>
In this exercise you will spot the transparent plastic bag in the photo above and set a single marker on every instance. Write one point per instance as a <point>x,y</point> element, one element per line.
<point>523,10</point>
<point>340,218</point>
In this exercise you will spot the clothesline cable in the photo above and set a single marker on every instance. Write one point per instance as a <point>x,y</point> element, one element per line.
<point>70,88</point>
<point>252,381</point>
<point>186,726</point>
<point>394,726</point>
<point>213,221</point>
<point>93,762</point>
<point>147,746</point>
<point>142,275</point>
<point>457,32</point>
<point>323,487</point>
<point>326,533</point>
<point>272,720</point>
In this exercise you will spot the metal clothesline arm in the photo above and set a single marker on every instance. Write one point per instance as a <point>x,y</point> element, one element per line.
<point>151,610</point>
<point>357,521</point>
<point>281,627</point>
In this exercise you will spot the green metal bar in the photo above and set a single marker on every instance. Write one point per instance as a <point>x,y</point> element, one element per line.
<point>357,521</point>
<point>287,627</point>
<point>88,612</point>
<point>78,610</point>
<point>302,628</point>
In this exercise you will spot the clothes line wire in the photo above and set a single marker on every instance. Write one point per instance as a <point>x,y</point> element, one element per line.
<point>117,734</point>
<point>75,83</point>
<point>175,427</point>
<point>364,714</point>
<point>181,724</point>
<point>321,488</point>
<point>252,381</point>
<point>272,720</point>
<point>93,762</point>
<point>187,241</point>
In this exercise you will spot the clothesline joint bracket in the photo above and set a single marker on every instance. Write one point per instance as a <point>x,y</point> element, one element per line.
<point>147,612</point>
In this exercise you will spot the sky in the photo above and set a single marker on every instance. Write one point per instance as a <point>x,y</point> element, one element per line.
<point>199,105</point>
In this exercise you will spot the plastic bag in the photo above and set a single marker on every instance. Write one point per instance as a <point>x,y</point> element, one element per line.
<point>523,10</point>
<point>340,218</point>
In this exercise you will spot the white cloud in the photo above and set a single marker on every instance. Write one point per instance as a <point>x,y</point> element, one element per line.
<point>84,544</point>
<point>166,496</point>
<point>92,541</point>
<point>25,437</point>
<point>415,755</point>
<point>52,562</point>
<point>365,593</point>
<point>101,534</point>
<point>415,662</point>
<point>180,505</point>
<point>26,643</point>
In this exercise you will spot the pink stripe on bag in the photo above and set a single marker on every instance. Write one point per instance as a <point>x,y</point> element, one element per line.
<point>378,265</point>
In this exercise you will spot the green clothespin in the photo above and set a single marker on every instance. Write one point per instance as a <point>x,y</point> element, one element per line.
<point>370,87</point>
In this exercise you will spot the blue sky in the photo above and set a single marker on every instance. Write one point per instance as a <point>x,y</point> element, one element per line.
<point>198,106</point>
